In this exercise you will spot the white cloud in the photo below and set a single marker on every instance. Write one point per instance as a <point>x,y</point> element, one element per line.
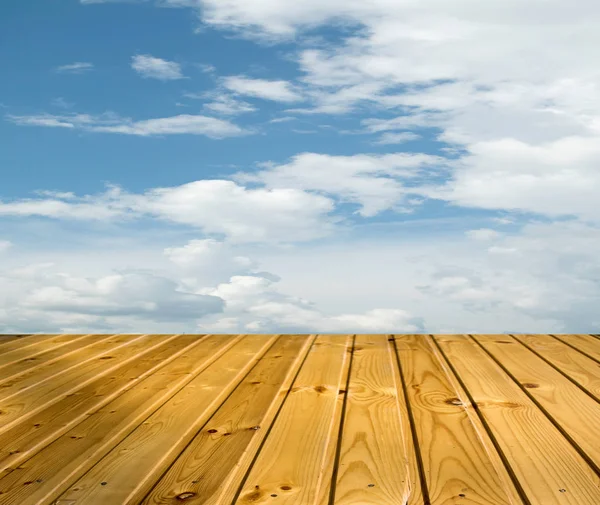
<point>5,245</point>
<point>75,68</point>
<point>214,206</point>
<point>182,124</point>
<point>229,106</point>
<point>283,119</point>
<point>375,182</point>
<point>482,234</point>
<point>397,138</point>
<point>278,91</point>
<point>156,68</point>
<point>109,123</point>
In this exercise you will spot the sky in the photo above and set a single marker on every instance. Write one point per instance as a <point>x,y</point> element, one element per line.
<point>275,166</point>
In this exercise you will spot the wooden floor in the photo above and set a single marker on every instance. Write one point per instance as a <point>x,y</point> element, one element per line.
<point>300,419</point>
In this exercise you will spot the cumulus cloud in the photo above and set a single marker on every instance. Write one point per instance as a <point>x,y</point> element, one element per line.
<point>215,206</point>
<point>156,68</point>
<point>278,91</point>
<point>75,68</point>
<point>374,182</point>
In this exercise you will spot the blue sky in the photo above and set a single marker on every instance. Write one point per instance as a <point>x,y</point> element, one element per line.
<point>275,166</point>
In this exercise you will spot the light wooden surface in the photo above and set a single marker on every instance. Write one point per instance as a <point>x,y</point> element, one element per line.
<point>300,419</point>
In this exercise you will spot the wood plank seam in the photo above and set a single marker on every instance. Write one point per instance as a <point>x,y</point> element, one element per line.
<point>34,366</point>
<point>565,375</point>
<point>55,399</point>
<point>487,428</point>
<point>413,429</point>
<point>105,401</point>
<point>573,347</point>
<point>269,429</point>
<point>208,420</point>
<point>540,407</point>
<point>338,448</point>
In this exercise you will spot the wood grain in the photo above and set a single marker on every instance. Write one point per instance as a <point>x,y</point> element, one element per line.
<point>24,439</point>
<point>52,470</point>
<point>33,346</point>
<point>134,465</point>
<point>549,470</point>
<point>373,465</point>
<point>290,464</point>
<point>576,413</point>
<point>20,400</point>
<point>455,458</point>
<point>209,470</point>
<point>577,367</point>
<point>586,344</point>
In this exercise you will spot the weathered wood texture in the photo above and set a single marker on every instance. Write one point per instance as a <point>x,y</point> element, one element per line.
<point>300,419</point>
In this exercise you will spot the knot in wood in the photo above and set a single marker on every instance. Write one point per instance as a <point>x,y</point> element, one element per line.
<point>185,496</point>
<point>453,401</point>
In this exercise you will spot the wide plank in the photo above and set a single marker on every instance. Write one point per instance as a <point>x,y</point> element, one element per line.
<point>23,440</point>
<point>209,470</point>
<point>577,367</point>
<point>292,461</point>
<point>131,468</point>
<point>373,465</point>
<point>454,450</point>
<point>20,401</point>
<point>547,467</point>
<point>577,415</point>
<point>51,471</point>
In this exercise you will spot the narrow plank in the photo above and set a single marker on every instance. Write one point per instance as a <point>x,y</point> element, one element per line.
<point>132,467</point>
<point>415,494</point>
<point>373,465</point>
<point>586,344</point>
<point>456,455</point>
<point>64,354</point>
<point>52,470</point>
<point>25,439</point>
<point>33,347</point>
<point>579,368</point>
<point>17,405</point>
<point>291,463</point>
<point>576,413</point>
<point>209,470</point>
<point>549,470</point>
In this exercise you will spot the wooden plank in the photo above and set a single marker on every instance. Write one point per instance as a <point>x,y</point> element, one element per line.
<point>373,466</point>
<point>63,354</point>
<point>33,346</point>
<point>132,467</point>
<point>5,338</point>
<point>295,452</point>
<point>25,439</point>
<point>577,415</point>
<point>19,403</point>
<point>52,470</point>
<point>457,457</point>
<point>549,470</point>
<point>210,469</point>
<point>415,486</point>
<point>586,344</point>
<point>579,368</point>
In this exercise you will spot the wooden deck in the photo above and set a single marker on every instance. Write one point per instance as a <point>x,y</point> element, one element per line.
<point>300,419</point>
